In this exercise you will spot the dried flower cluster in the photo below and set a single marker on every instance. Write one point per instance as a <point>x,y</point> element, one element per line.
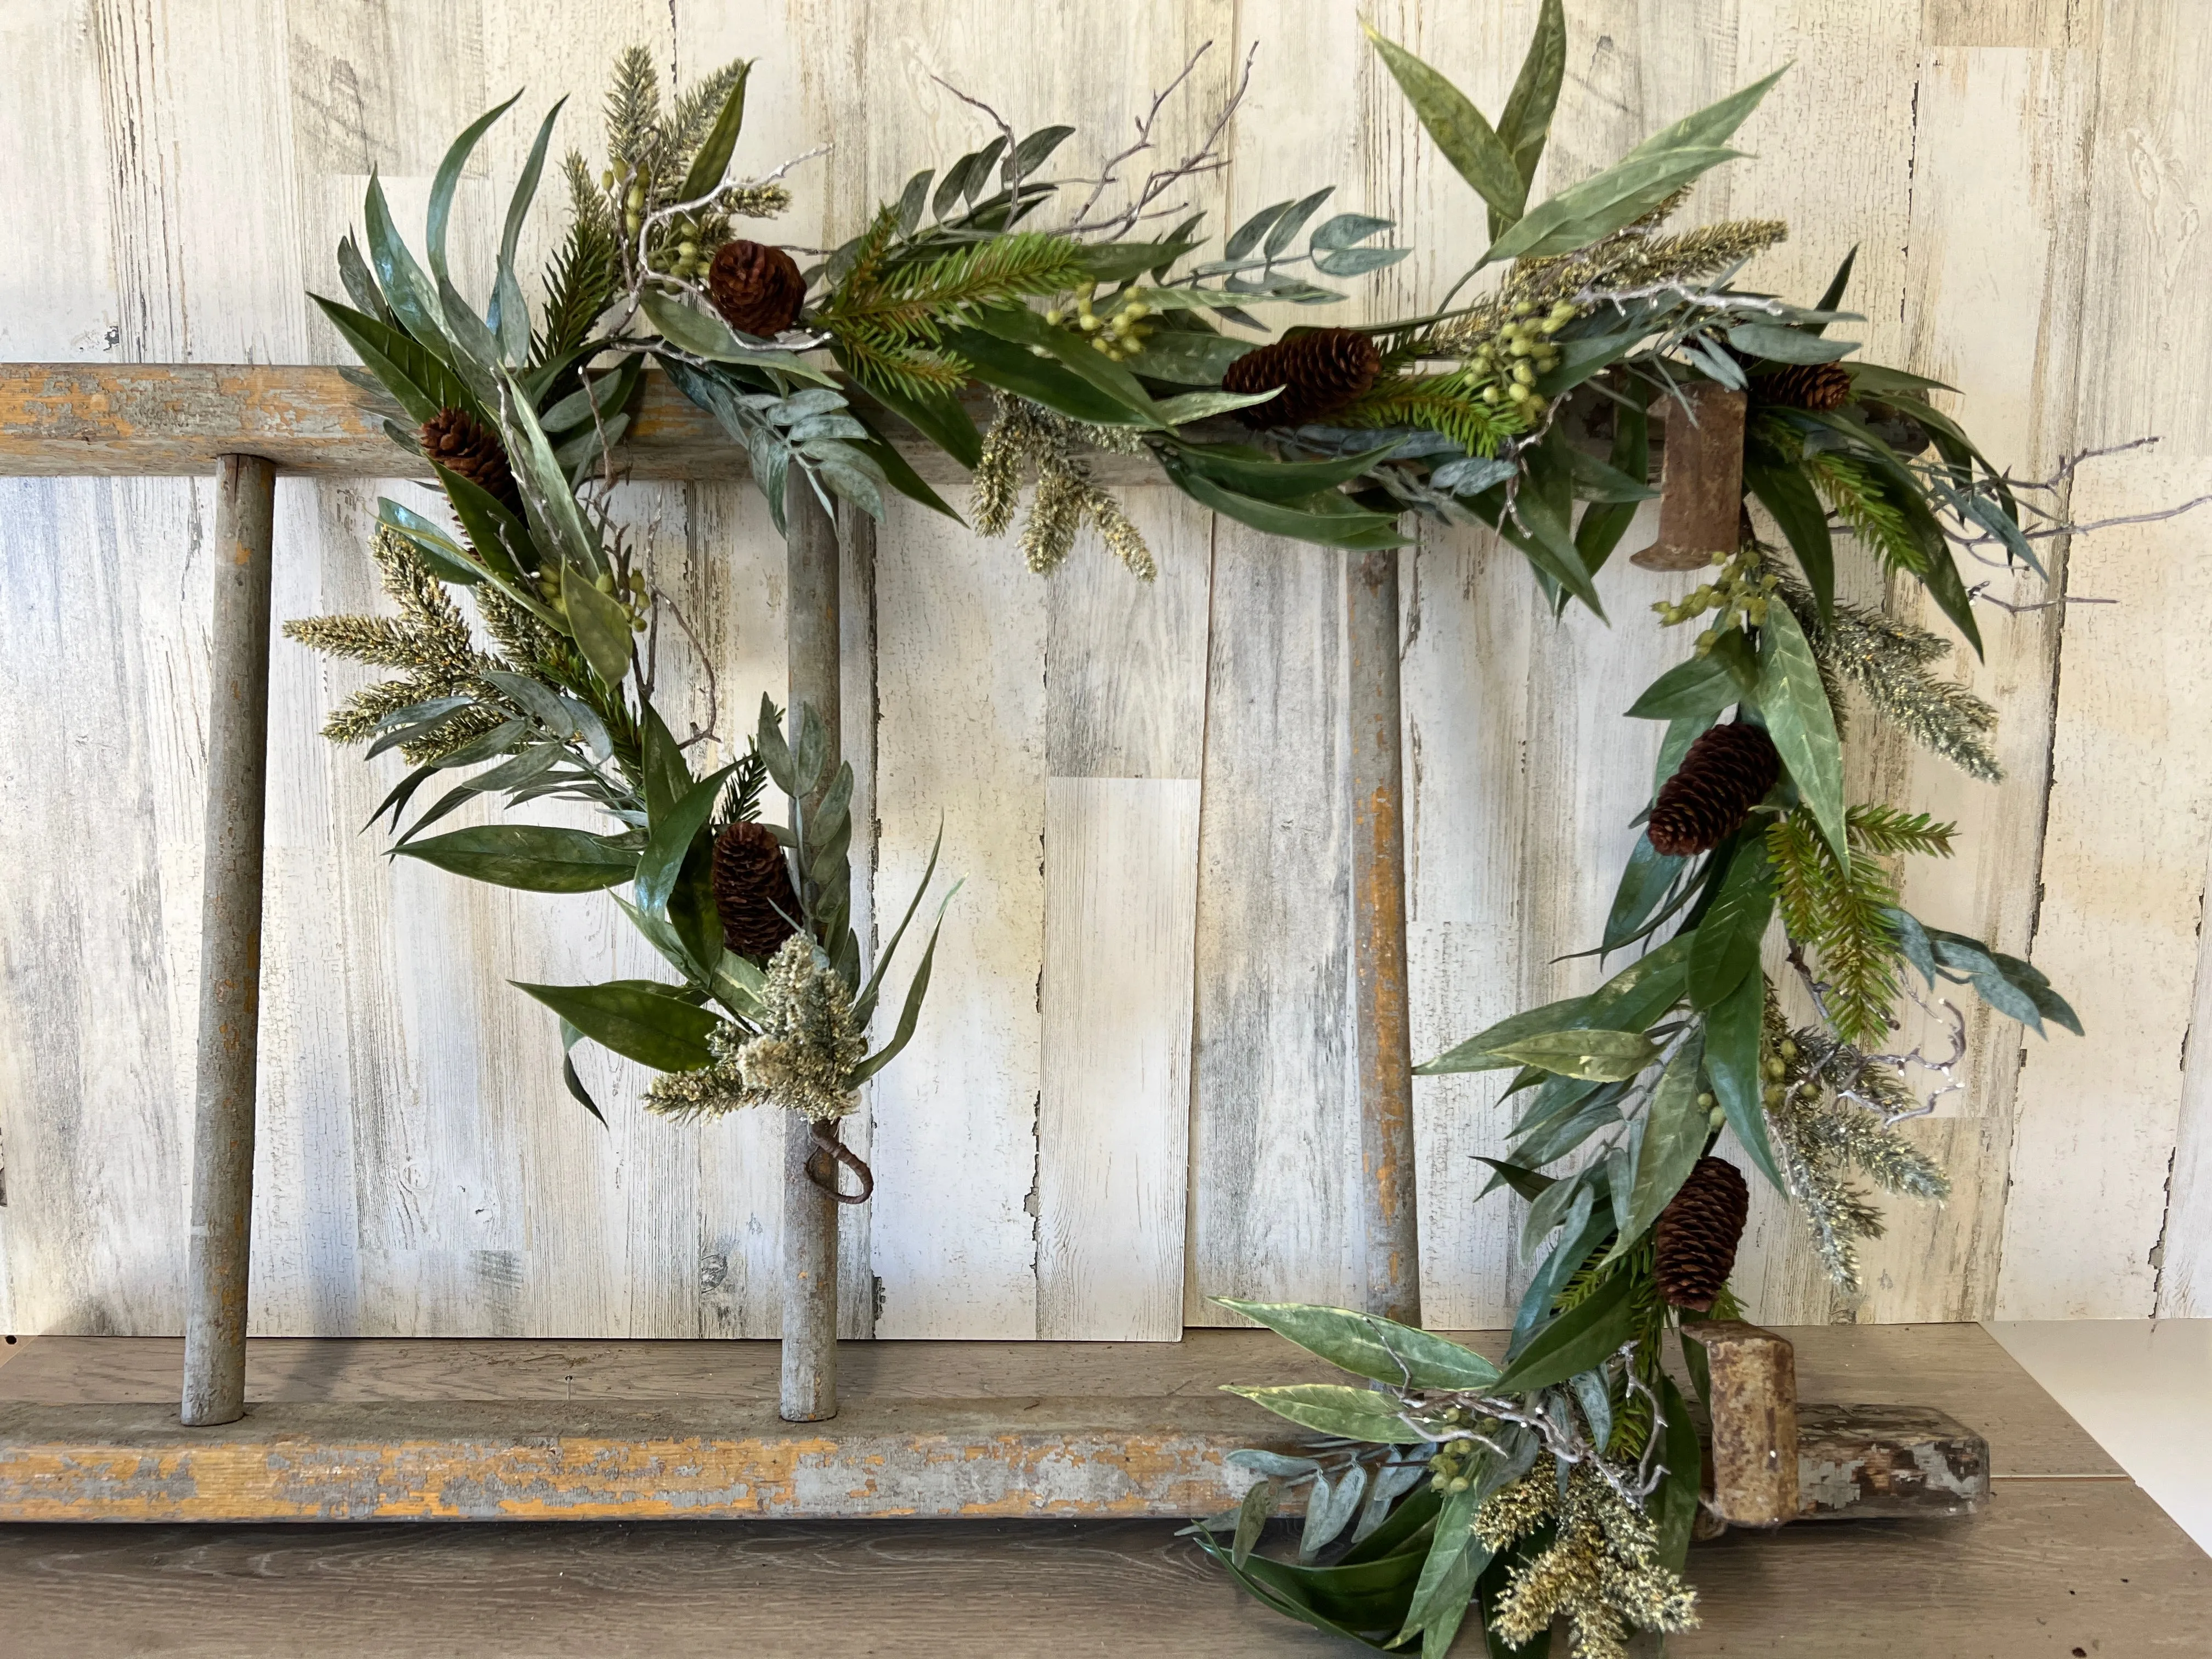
<point>1026,439</point>
<point>429,643</point>
<point>802,1057</point>
<point>1600,1571</point>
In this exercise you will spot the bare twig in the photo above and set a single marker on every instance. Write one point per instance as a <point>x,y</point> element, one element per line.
<point>1207,158</point>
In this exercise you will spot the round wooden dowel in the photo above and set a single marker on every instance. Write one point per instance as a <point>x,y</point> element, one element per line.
<point>230,946</point>
<point>1380,1012</point>
<point>809,1213</point>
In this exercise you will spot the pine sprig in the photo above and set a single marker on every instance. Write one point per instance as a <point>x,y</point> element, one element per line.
<point>1843,915</point>
<point>1853,492</point>
<point>1437,403</point>
<point>585,273</point>
<point>633,111</point>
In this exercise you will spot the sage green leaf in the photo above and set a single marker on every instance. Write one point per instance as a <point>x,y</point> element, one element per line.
<point>713,159</point>
<point>1600,481</point>
<point>1786,492</point>
<point>1604,1056</point>
<point>1643,885</point>
<point>536,858</point>
<point>1251,1517</point>
<point>439,552</point>
<point>1529,1183</point>
<point>1681,732</point>
<point>447,181</point>
<point>1716,123</point>
<point>1838,286</point>
<point>510,312</point>
<point>1675,1131</point>
<point>1801,722</point>
<point>663,938</point>
<point>1598,206</point>
<point>1479,1052</point>
<point>1733,1029</point>
<point>1587,1335</point>
<point>673,835</point>
<point>1189,357</point>
<point>600,623</point>
<point>691,331</point>
<point>1020,326</point>
<point>1306,521</point>
<point>1015,368</point>
<point>1333,1408</point>
<point>1724,950</point>
<point>1677,1505</point>
<point>416,377</point>
<point>1254,473</point>
<point>1526,121</point>
<point>1467,141</point>
<point>1329,1509</point>
<point>1368,1344</point>
<point>1702,686</point>
<point>1203,406</point>
<point>1780,343</point>
<point>407,289</point>
<point>1455,1561</point>
<point>648,1022</point>
<point>910,1010</point>
<point>570,1037</point>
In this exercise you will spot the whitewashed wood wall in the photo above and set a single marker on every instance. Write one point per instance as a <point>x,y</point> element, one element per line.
<point>1133,1087</point>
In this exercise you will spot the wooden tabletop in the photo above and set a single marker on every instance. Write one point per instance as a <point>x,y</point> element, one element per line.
<point>2070,1559</point>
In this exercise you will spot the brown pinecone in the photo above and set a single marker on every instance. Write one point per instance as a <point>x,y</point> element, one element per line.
<point>757,288</point>
<point>1817,386</point>
<point>1695,1237</point>
<point>462,444</point>
<point>752,890</point>
<point>1727,773</point>
<point>1319,373</point>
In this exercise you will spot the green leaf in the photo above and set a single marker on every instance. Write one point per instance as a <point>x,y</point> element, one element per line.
<point>1251,1517</point>
<point>1675,1131</point>
<point>1598,206</point>
<point>1189,357</point>
<point>941,417</point>
<point>1526,121</point>
<point>1587,1335</point>
<point>1787,494</point>
<point>713,159</point>
<point>1254,473</point>
<point>1467,140</point>
<point>438,550</point>
<point>570,1037</point>
<point>1733,1028</point>
<point>1644,885</point>
<point>1333,1408</point>
<point>1014,368</point>
<point>1355,529</point>
<point>1018,325</point>
<point>1725,947</point>
<point>659,866</point>
<point>910,1012</point>
<point>1778,343</point>
<point>1702,686</point>
<point>1455,1561</point>
<point>1204,405</point>
<point>1604,1056</point>
<point>1801,722</point>
<point>408,292</point>
<point>1529,1183</point>
<point>1368,1344</point>
<point>1677,1505</point>
<point>1716,123</point>
<point>448,179</point>
<point>693,332</point>
<point>1479,1052</point>
<point>510,312</point>
<point>417,378</point>
<point>533,857</point>
<point>648,1022</point>
<point>600,623</point>
<point>1838,286</point>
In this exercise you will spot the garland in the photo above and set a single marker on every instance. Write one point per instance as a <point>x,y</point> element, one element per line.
<point>1565,1483</point>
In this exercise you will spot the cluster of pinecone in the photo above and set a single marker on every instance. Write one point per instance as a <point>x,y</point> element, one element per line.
<point>1319,372</point>
<point>1694,1240</point>
<point>756,288</point>
<point>1726,773</point>
<point>469,449</point>
<point>752,890</point>
<point>1817,386</point>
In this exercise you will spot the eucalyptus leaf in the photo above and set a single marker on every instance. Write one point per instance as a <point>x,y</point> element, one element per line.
<point>1799,721</point>
<point>1368,1344</point>
<point>1333,1408</point>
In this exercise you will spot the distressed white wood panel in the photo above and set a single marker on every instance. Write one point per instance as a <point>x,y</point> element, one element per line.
<point>2131,821</point>
<point>1114,1131</point>
<point>2182,1256</point>
<point>1125,691</point>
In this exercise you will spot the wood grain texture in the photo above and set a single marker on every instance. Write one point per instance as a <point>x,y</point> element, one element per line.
<point>2023,180</point>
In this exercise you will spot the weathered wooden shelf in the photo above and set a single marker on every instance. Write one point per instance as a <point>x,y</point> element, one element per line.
<point>487,1430</point>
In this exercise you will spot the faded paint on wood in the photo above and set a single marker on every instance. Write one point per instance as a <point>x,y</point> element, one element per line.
<point>421,1168</point>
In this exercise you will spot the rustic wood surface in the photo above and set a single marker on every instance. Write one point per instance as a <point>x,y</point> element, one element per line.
<point>2050,1568</point>
<point>2020,178</point>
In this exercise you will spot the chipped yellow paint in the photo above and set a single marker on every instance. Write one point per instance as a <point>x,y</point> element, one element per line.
<point>302,1464</point>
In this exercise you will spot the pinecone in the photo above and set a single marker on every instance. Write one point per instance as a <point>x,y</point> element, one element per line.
<point>1695,1237</point>
<point>1727,773</point>
<point>464,446</point>
<point>1817,386</point>
<point>752,890</point>
<point>1320,372</point>
<point>757,288</point>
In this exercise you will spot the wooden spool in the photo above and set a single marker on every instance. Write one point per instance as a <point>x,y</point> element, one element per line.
<point>1701,479</point>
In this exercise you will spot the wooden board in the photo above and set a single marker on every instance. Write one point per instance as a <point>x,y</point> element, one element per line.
<point>2020,180</point>
<point>2051,1566</point>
